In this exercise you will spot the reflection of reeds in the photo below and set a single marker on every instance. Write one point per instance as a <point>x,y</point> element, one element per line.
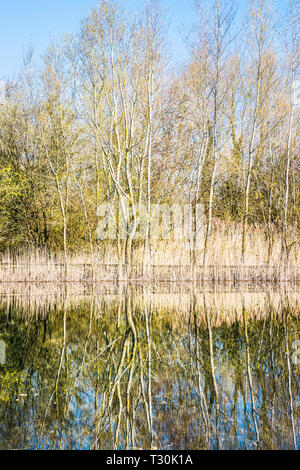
<point>142,364</point>
<point>224,306</point>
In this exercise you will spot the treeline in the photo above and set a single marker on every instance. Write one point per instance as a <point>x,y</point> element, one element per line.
<point>106,119</point>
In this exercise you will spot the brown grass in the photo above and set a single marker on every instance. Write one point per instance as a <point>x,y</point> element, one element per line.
<point>170,262</point>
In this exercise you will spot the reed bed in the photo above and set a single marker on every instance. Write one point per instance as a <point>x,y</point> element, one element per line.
<point>170,261</point>
<point>52,269</point>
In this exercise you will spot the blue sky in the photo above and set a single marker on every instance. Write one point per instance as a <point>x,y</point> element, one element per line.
<point>25,23</point>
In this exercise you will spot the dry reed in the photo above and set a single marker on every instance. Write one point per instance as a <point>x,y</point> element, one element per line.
<point>170,262</point>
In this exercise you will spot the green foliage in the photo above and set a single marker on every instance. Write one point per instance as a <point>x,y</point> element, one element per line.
<point>10,385</point>
<point>12,184</point>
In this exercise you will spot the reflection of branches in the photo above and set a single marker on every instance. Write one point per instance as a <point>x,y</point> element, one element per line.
<point>109,393</point>
<point>249,373</point>
<point>62,356</point>
<point>148,403</point>
<point>129,417</point>
<point>85,344</point>
<point>212,367</point>
<point>291,407</point>
<point>203,404</point>
<point>114,387</point>
<point>155,379</point>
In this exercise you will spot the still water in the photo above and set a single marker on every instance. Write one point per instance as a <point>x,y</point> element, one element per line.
<point>149,368</point>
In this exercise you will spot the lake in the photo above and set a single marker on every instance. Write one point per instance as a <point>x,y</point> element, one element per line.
<point>149,367</point>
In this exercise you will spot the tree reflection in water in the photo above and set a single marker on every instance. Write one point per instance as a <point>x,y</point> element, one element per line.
<point>139,369</point>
